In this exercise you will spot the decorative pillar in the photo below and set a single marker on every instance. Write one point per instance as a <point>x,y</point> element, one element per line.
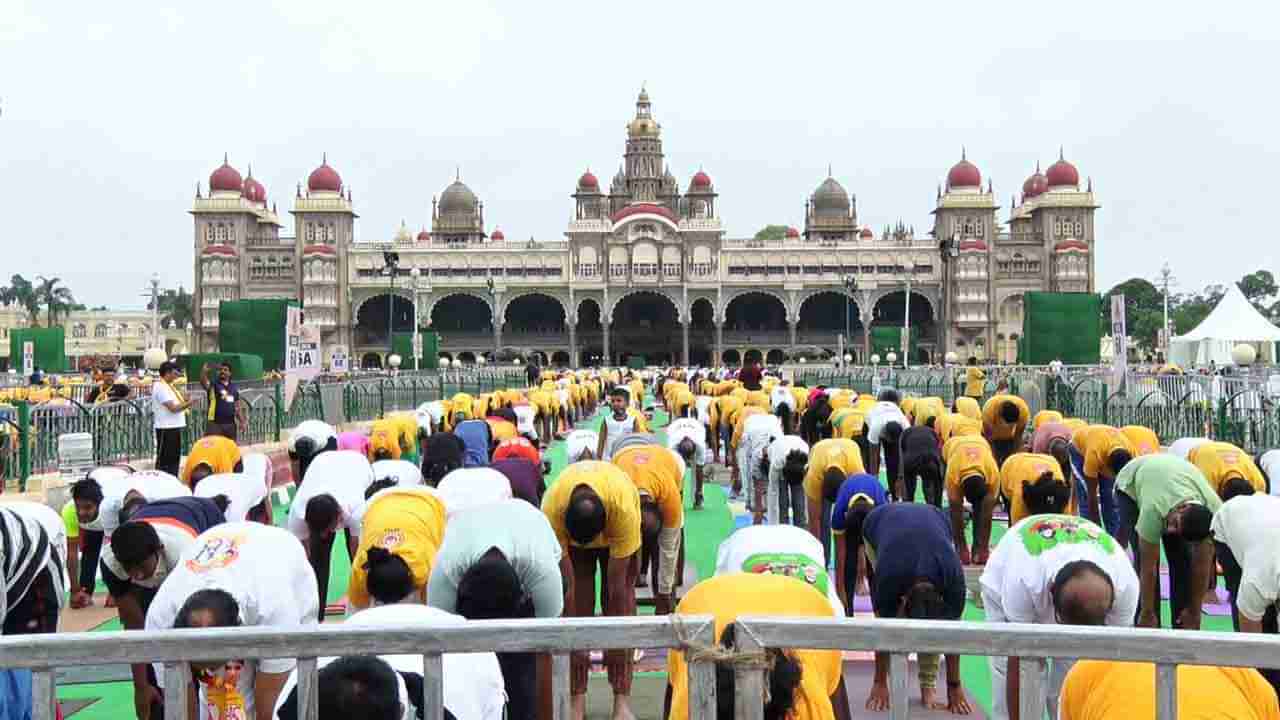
<point>608,359</point>
<point>497,327</point>
<point>684,332</point>
<point>573,346</point>
<point>794,326</point>
<point>719,344</point>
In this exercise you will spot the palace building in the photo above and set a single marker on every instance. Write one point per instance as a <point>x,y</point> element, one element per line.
<point>645,268</point>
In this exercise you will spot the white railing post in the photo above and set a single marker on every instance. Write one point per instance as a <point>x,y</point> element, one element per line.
<point>899,698</point>
<point>702,675</point>
<point>748,701</point>
<point>432,687</point>
<point>1031,683</point>
<point>1166,691</point>
<point>177,681</point>
<point>560,686</point>
<point>42,694</point>
<point>308,691</point>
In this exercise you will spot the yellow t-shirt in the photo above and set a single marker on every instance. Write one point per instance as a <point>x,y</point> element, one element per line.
<point>801,396</point>
<point>997,426</point>
<point>1143,440</point>
<point>740,423</point>
<point>501,429</point>
<point>965,456</point>
<point>727,597</point>
<point>1044,417</point>
<point>908,405</point>
<point>464,404</point>
<point>975,381</point>
<point>827,454</point>
<point>840,399</point>
<point>621,501</point>
<point>409,522</point>
<point>969,408</point>
<point>927,409</point>
<point>757,398</point>
<point>943,425</point>
<point>1096,443</point>
<point>656,474</point>
<point>1220,461</point>
<point>407,425</point>
<point>220,454</point>
<point>1074,424</point>
<point>384,436</point>
<point>681,402</point>
<point>847,423</point>
<point>1028,467</point>
<point>1106,690</point>
<point>724,410</point>
<point>71,520</point>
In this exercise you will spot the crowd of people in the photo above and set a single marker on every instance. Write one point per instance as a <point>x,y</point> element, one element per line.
<point>446,516</point>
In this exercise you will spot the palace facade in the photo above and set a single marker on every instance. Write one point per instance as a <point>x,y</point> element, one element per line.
<point>645,268</point>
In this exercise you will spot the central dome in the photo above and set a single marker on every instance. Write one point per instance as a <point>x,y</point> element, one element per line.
<point>458,199</point>
<point>964,174</point>
<point>831,198</point>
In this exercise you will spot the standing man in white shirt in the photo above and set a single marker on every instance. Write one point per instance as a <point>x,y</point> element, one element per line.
<point>788,458</point>
<point>1247,533</point>
<point>502,561</point>
<point>331,496</point>
<point>885,423</point>
<point>757,433</point>
<point>1048,570</point>
<point>238,575</point>
<point>169,408</point>
<point>688,438</point>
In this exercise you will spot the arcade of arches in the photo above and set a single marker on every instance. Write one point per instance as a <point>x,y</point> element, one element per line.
<point>644,327</point>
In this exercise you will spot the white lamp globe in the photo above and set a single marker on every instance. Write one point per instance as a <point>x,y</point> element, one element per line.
<point>444,362</point>
<point>803,360</point>
<point>515,361</point>
<point>153,357</point>
<point>415,273</point>
<point>875,359</point>
<point>1244,355</point>
<point>394,361</point>
<point>480,360</point>
<point>848,358</point>
<point>891,358</point>
<point>951,358</point>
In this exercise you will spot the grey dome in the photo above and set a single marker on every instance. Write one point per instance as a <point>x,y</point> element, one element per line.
<point>830,198</point>
<point>458,198</point>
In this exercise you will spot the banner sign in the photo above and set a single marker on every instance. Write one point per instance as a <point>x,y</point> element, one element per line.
<point>301,352</point>
<point>1119,343</point>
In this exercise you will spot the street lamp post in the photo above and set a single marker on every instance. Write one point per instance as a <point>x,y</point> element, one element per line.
<point>497,321</point>
<point>391,261</point>
<point>906,319</point>
<point>850,286</point>
<point>415,276</point>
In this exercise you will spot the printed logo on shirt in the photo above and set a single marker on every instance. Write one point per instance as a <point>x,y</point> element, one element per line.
<point>391,539</point>
<point>216,552</point>
<point>222,692</point>
<point>1046,532</point>
<point>792,565</point>
<point>1230,457</point>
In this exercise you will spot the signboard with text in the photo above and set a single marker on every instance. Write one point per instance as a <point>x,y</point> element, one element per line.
<point>339,359</point>
<point>28,358</point>
<point>1119,342</point>
<point>301,352</point>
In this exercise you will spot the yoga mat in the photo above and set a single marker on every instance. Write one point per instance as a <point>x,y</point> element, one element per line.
<point>1217,604</point>
<point>859,675</point>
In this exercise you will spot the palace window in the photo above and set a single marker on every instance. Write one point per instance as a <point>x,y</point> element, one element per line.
<point>646,269</point>
<point>588,270</point>
<point>702,269</point>
<point>812,269</point>
<point>737,269</point>
<point>618,269</point>
<point>671,270</point>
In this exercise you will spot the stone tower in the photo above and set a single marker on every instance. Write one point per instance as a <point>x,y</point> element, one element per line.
<point>324,219</point>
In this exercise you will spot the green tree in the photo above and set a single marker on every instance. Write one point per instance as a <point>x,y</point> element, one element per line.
<point>23,293</point>
<point>1143,308</point>
<point>54,296</point>
<point>1188,310</point>
<point>772,232</point>
<point>175,308</point>
<point>1260,289</point>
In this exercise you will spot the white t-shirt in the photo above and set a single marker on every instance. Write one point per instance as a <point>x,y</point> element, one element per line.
<point>1018,577</point>
<point>318,431</point>
<point>473,686</point>
<point>244,491</point>
<point>174,541</point>
<point>617,428</point>
<point>56,529</point>
<point>1250,526</point>
<point>782,447</point>
<point>524,419</point>
<point>1183,446</point>
<point>703,403</point>
<point>152,485</point>
<point>344,474</point>
<point>580,440</point>
<point>778,549</point>
<point>435,409</point>
<point>468,487</point>
<point>689,428</point>
<point>521,532</point>
<point>1270,464</point>
<point>266,570</point>
<point>161,393</point>
<point>258,465</point>
<point>881,414</point>
<point>403,472</point>
<point>781,395</point>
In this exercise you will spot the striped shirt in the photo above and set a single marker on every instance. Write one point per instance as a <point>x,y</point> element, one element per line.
<point>25,550</point>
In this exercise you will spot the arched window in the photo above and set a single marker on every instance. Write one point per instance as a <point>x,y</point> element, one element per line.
<point>100,330</point>
<point>588,263</point>
<point>78,331</point>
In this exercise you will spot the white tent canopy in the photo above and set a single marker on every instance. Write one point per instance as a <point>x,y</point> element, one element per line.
<point>1234,321</point>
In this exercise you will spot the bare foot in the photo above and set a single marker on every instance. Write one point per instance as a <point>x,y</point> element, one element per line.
<point>578,707</point>
<point>622,708</point>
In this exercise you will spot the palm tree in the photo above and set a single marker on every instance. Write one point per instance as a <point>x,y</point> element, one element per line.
<point>56,297</point>
<point>176,308</point>
<point>22,292</point>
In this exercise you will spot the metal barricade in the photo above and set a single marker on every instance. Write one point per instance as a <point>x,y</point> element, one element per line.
<point>1166,648</point>
<point>44,654</point>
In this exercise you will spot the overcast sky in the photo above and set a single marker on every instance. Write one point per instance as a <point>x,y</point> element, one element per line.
<point>112,112</point>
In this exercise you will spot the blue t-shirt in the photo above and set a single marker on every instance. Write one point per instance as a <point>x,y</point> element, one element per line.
<point>15,695</point>
<point>474,435</point>
<point>912,542</point>
<point>857,484</point>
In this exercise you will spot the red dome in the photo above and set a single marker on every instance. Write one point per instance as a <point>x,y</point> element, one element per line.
<point>644,208</point>
<point>254,191</point>
<point>319,249</point>
<point>1062,173</point>
<point>324,179</point>
<point>866,233</point>
<point>793,233</point>
<point>1035,185</point>
<point>701,180</point>
<point>424,236</point>
<point>220,250</point>
<point>497,236</point>
<point>225,179</point>
<point>964,174</point>
<point>588,181</point>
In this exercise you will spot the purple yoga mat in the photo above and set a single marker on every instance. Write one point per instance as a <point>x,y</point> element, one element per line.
<point>1221,608</point>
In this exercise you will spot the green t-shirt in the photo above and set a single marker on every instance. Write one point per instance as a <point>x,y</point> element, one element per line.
<point>71,520</point>
<point>1157,484</point>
